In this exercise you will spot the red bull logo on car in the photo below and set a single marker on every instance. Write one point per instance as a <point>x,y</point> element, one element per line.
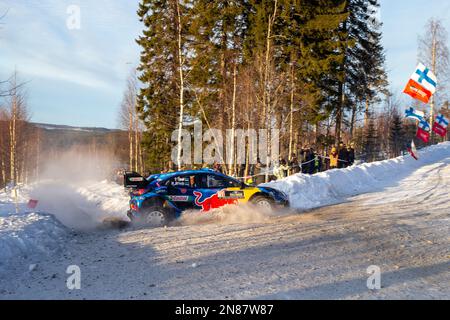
<point>212,202</point>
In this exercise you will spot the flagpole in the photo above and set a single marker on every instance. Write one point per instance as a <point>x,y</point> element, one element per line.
<point>433,69</point>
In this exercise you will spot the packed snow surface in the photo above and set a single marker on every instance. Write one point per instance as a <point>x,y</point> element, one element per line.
<point>393,214</point>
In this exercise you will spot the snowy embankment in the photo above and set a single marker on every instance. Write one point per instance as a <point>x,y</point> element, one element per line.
<point>33,234</point>
<point>335,186</point>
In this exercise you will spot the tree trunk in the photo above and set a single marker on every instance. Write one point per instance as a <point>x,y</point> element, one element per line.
<point>232,164</point>
<point>130,137</point>
<point>433,69</point>
<point>267,83</point>
<point>352,122</point>
<point>12,135</point>
<point>291,114</point>
<point>180,71</point>
<point>136,140</point>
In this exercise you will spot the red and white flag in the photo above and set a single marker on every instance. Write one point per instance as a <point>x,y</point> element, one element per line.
<point>423,131</point>
<point>413,151</point>
<point>440,125</point>
<point>422,84</point>
<point>32,204</point>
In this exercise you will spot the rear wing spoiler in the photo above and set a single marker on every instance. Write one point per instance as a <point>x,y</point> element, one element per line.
<point>134,180</point>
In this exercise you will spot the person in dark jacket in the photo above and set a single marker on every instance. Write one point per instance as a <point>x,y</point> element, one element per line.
<point>343,156</point>
<point>311,161</point>
<point>351,154</point>
<point>260,170</point>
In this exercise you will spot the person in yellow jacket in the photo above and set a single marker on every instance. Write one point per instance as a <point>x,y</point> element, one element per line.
<point>334,158</point>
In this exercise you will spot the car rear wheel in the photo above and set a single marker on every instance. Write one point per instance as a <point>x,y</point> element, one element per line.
<point>156,217</point>
<point>262,202</point>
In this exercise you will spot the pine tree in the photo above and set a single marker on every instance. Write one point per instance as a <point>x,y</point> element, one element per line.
<point>218,29</point>
<point>307,36</point>
<point>396,136</point>
<point>159,98</point>
<point>371,143</point>
<point>363,71</point>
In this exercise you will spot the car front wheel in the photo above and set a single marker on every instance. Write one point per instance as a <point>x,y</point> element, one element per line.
<point>264,203</point>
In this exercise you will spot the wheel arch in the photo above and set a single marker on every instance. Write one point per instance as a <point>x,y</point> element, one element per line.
<point>260,194</point>
<point>153,201</point>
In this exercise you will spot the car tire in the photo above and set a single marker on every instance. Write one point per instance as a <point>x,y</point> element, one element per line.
<point>156,216</point>
<point>263,202</point>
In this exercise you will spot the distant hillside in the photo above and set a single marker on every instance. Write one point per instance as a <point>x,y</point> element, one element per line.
<point>47,126</point>
<point>55,139</point>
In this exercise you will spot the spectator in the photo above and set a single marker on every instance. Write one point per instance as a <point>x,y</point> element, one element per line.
<point>334,158</point>
<point>351,154</point>
<point>317,164</point>
<point>259,172</point>
<point>311,161</point>
<point>280,171</point>
<point>342,156</point>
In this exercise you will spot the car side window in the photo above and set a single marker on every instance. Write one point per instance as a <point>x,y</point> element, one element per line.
<point>218,182</point>
<point>182,182</point>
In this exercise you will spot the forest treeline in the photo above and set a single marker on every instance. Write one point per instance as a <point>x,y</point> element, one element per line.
<point>308,68</point>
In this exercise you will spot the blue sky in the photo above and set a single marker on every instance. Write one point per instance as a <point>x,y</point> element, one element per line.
<point>77,77</point>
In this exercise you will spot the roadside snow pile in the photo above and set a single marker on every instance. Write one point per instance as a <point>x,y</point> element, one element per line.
<point>25,238</point>
<point>334,186</point>
<point>62,206</point>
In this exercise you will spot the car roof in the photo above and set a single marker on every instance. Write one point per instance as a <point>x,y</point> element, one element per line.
<point>165,176</point>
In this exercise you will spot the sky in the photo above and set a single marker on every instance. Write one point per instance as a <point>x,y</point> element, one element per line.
<point>76,76</point>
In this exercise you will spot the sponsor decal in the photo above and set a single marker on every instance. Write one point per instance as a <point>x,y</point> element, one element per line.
<point>212,202</point>
<point>233,194</point>
<point>136,179</point>
<point>179,198</point>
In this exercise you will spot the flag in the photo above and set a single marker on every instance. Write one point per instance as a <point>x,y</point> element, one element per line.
<point>32,204</point>
<point>422,84</point>
<point>413,151</point>
<point>416,114</point>
<point>423,131</point>
<point>440,125</point>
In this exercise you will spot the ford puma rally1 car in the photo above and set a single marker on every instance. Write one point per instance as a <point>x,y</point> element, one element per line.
<point>160,198</point>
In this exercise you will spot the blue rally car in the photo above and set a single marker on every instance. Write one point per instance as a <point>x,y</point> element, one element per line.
<point>161,198</point>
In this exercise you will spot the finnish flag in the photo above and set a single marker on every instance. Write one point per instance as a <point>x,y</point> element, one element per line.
<point>425,78</point>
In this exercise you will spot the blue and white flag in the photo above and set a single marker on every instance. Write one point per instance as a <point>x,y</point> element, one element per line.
<point>416,114</point>
<point>425,78</point>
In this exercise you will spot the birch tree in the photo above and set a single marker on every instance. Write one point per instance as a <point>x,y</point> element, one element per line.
<point>433,51</point>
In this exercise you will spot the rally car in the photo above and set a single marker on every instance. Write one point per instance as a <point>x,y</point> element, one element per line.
<point>161,198</point>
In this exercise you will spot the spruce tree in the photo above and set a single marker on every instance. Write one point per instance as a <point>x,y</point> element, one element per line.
<point>371,146</point>
<point>363,74</point>
<point>158,100</point>
<point>396,136</point>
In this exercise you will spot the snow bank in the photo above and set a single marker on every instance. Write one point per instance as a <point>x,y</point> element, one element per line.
<point>25,238</point>
<point>335,186</point>
<point>28,237</point>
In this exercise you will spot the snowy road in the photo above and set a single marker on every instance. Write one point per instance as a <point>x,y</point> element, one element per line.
<point>403,228</point>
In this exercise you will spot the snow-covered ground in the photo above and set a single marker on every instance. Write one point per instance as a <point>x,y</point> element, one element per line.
<point>402,226</point>
<point>32,235</point>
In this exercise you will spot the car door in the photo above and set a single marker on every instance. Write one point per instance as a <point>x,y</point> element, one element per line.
<point>210,186</point>
<point>180,191</point>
